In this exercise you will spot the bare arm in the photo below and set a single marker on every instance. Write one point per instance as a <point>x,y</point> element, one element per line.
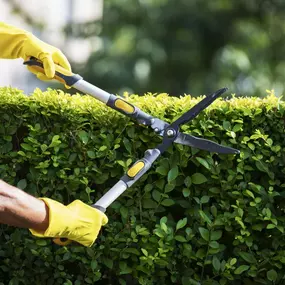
<point>20,209</point>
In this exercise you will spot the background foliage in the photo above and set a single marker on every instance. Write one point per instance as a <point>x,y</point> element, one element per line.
<point>181,46</point>
<point>194,218</point>
<point>186,46</point>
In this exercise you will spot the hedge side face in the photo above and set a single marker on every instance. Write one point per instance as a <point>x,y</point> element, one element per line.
<point>194,218</point>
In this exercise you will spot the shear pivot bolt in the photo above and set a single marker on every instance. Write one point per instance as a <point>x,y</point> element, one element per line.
<point>170,133</point>
<point>156,130</point>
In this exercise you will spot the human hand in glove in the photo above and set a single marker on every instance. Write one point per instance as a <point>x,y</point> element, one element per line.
<point>77,222</point>
<point>48,218</point>
<point>18,43</point>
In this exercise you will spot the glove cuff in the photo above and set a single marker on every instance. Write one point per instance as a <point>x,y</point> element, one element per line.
<point>59,215</point>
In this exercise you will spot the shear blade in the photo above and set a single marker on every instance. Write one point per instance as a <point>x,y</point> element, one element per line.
<point>204,144</point>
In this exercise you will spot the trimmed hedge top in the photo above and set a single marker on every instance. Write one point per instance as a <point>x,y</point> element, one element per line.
<point>194,218</point>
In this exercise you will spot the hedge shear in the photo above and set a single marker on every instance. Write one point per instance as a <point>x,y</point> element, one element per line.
<point>169,132</point>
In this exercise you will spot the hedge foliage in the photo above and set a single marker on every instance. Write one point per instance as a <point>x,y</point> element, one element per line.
<point>194,218</point>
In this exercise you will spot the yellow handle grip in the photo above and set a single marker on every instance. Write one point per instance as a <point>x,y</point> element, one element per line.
<point>61,74</point>
<point>62,241</point>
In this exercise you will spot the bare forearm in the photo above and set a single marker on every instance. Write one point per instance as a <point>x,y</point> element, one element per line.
<point>20,209</point>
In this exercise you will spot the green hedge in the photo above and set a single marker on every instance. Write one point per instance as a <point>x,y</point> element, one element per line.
<point>194,218</point>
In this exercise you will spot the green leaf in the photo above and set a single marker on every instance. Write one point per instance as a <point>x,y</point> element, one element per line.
<point>226,125</point>
<point>188,181</point>
<point>237,127</point>
<point>270,226</point>
<point>91,154</point>
<point>249,193</point>
<point>204,162</point>
<point>144,251</point>
<point>169,187</point>
<point>186,192</point>
<point>198,178</point>
<point>214,244</point>
<point>22,184</point>
<point>205,217</point>
<point>156,195</point>
<point>27,146</point>
<point>181,224</point>
<point>108,262</point>
<point>167,202</point>
<point>94,264</point>
<point>102,148</point>
<point>205,199</point>
<point>249,257</point>
<point>124,212</point>
<point>261,166</point>
<point>204,233</point>
<point>180,238</point>
<point>149,204</point>
<point>233,261</point>
<point>41,242</point>
<point>172,174</point>
<point>241,269</point>
<point>162,170</point>
<point>216,235</point>
<point>83,136</point>
<point>271,275</point>
<point>216,263</point>
<point>132,250</point>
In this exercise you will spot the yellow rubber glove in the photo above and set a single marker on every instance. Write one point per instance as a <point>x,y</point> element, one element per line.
<point>18,43</point>
<point>77,221</point>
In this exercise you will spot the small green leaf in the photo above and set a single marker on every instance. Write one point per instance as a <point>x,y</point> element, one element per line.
<point>188,181</point>
<point>169,187</point>
<point>132,250</point>
<point>226,125</point>
<point>241,269</point>
<point>27,146</point>
<point>167,202</point>
<point>205,199</point>
<point>272,275</point>
<point>108,262</point>
<point>204,162</point>
<point>149,204</point>
<point>237,127</point>
<point>214,244</point>
<point>205,217</point>
<point>162,170</point>
<point>156,195</point>
<point>216,263</point>
<point>41,242</point>
<point>172,174</point>
<point>91,154</point>
<point>102,148</point>
<point>270,226</point>
<point>94,264</point>
<point>247,257</point>
<point>180,238</point>
<point>186,192</point>
<point>233,261</point>
<point>83,136</point>
<point>249,193</point>
<point>181,223</point>
<point>164,227</point>
<point>144,251</point>
<point>204,233</point>
<point>22,184</point>
<point>198,178</point>
<point>216,235</point>
<point>124,212</point>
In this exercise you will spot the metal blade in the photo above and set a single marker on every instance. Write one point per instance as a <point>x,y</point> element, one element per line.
<point>194,111</point>
<point>204,144</point>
